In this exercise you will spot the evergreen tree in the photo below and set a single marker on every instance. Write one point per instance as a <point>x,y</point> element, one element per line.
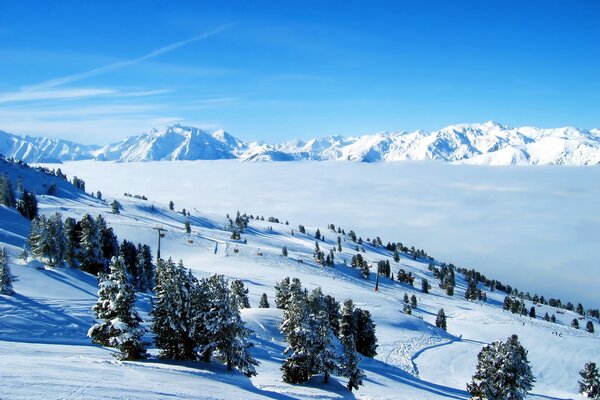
<point>27,205</point>
<point>589,326</point>
<point>532,312</point>
<point>128,253</point>
<point>575,323</point>
<point>7,194</point>
<point>187,227</point>
<point>109,243</point>
<point>264,301</point>
<point>425,286</point>
<point>116,207</point>
<point>366,340</point>
<point>71,240</point>
<point>145,268</point>
<point>6,277</point>
<point>322,351</point>
<point>90,255</point>
<point>171,205</point>
<point>284,251</point>
<point>364,269</point>
<point>282,293</point>
<point>589,385</point>
<point>239,294</point>
<point>350,361</point>
<point>413,301</point>
<point>227,334</point>
<point>120,325</point>
<point>47,239</point>
<point>396,256</point>
<point>318,234</point>
<point>296,328</point>
<point>175,320</point>
<point>333,310</point>
<point>440,319</point>
<point>406,299</point>
<point>503,372</point>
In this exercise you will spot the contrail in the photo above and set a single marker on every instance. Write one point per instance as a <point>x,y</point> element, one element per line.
<point>118,65</point>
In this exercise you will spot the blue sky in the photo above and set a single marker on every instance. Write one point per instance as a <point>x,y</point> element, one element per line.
<point>99,71</point>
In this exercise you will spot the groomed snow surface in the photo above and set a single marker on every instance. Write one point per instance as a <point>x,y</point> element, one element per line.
<point>45,353</point>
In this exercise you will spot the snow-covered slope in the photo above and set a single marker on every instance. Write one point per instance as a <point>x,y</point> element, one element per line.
<point>46,355</point>
<point>172,143</point>
<point>39,149</point>
<point>489,143</point>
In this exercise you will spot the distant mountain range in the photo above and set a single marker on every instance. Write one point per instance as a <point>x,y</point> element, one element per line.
<point>489,143</point>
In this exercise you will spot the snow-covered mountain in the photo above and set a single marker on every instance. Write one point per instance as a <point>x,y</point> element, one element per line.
<point>40,149</point>
<point>489,143</point>
<point>172,143</point>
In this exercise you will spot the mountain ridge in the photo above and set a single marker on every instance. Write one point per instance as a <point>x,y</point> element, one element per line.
<point>488,143</point>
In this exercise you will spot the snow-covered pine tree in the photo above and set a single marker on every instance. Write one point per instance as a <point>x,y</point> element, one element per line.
<point>440,319</point>
<point>174,319</point>
<point>128,252</point>
<point>224,332</point>
<point>323,356</point>
<point>239,294</point>
<point>90,246</point>
<point>284,251</point>
<point>163,312</point>
<point>282,293</point>
<point>47,239</point>
<point>120,324</point>
<point>108,241</point>
<point>333,309</point>
<point>589,385</point>
<point>230,336</point>
<point>58,239</point>
<point>350,361</point>
<point>143,260</point>
<point>503,372</point>
<point>71,240</point>
<point>264,301</point>
<point>366,340</point>
<point>298,333</point>
<point>364,269</point>
<point>6,277</point>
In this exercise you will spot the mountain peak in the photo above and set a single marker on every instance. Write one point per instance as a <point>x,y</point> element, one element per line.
<point>481,143</point>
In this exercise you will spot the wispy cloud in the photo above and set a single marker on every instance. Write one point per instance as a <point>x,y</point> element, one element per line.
<point>121,64</point>
<point>48,90</point>
<point>75,93</point>
<point>53,94</point>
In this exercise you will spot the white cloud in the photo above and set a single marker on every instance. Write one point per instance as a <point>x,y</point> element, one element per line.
<point>54,94</point>
<point>121,64</point>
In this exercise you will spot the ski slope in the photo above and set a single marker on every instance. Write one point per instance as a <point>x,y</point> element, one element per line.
<point>46,355</point>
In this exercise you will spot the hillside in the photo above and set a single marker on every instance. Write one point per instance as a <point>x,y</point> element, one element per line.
<point>489,143</point>
<point>46,353</point>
